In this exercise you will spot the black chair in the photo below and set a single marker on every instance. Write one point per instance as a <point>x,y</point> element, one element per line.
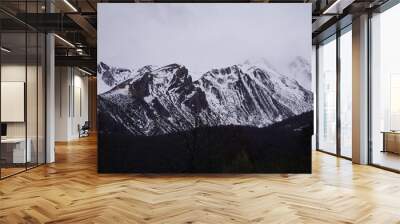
<point>84,130</point>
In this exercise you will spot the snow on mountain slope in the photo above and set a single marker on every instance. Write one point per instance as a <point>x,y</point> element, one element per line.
<point>108,77</point>
<point>159,100</point>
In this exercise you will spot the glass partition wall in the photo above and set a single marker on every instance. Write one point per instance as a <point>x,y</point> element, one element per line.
<point>385,89</point>
<point>13,86</point>
<point>334,105</point>
<point>22,77</point>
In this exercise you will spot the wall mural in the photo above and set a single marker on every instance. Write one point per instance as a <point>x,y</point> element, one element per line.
<point>204,88</point>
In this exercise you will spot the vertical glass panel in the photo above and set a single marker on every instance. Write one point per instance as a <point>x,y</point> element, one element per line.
<point>31,88</point>
<point>385,87</point>
<point>13,88</point>
<point>41,98</point>
<point>346,94</point>
<point>31,99</point>
<point>327,96</point>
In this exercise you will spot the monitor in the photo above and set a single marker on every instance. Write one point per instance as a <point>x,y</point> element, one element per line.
<point>3,129</point>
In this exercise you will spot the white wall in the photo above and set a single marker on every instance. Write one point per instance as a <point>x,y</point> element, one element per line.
<point>71,102</point>
<point>80,112</point>
<point>61,103</point>
<point>14,72</point>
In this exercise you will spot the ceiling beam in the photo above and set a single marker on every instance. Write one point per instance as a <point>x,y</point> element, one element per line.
<point>84,24</point>
<point>337,6</point>
<point>78,61</point>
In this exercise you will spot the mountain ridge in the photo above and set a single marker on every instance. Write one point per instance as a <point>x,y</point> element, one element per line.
<point>159,100</point>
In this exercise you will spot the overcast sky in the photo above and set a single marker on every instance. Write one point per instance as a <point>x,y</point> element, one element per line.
<point>202,36</point>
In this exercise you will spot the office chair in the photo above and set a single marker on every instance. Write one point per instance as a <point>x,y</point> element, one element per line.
<point>84,130</point>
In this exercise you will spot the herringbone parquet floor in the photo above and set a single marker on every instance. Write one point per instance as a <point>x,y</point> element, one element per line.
<point>71,191</point>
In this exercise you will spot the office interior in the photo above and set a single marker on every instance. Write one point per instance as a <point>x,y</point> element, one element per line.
<point>25,58</point>
<point>48,81</point>
<point>25,68</point>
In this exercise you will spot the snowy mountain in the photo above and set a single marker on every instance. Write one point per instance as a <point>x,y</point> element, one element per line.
<point>300,70</point>
<point>111,76</point>
<point>159,100</point>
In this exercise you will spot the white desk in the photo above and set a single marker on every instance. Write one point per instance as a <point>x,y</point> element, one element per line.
<point>18,151</point>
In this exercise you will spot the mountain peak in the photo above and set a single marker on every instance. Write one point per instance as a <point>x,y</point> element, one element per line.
<point>181,78</point>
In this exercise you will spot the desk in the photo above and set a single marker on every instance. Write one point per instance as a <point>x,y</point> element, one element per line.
<point>391,141</point>
<point>15,148</point>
